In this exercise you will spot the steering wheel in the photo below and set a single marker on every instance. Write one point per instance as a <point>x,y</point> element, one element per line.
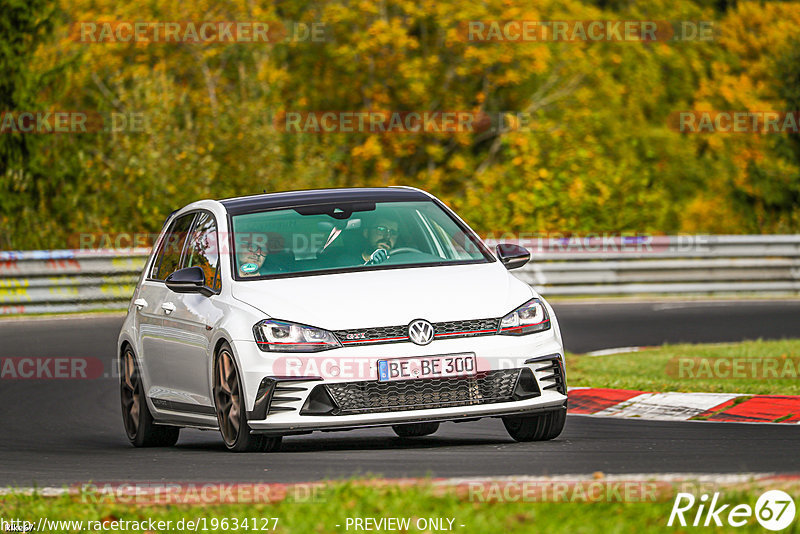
<point>405,250</point>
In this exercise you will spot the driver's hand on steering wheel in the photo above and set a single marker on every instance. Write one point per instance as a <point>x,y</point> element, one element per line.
<point>379,256</point>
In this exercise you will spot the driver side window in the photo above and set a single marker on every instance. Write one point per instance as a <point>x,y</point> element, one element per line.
<point>169,255</point>
<point>203,249</point>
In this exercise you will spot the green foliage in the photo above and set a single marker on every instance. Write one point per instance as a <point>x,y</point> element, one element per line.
<point>599,155</point>
<point>24,26</point>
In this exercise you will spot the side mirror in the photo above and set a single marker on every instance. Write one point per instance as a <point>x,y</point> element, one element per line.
<point>188,280</point>
<point>512,256</point>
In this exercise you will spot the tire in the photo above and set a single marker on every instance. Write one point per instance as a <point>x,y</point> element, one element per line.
<point>141,429</point>
<point>415,430</point>
<point>229,405</point>
<point>541,427</point>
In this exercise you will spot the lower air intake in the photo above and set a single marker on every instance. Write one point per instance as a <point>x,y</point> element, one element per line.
<point>490,387</point>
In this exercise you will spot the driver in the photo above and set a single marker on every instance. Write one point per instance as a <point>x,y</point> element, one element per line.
<point>379,240</point>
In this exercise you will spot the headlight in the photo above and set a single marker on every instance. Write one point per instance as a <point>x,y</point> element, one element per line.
<point>529,318</point>
<point>282,336</point>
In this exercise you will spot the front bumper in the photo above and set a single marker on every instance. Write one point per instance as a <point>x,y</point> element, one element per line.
<point>315,423</point>
<point>292,378</point>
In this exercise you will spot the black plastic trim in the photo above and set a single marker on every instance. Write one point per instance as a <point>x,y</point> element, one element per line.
<point>559,372</point>
<point>269,387</point>
<point>520,392</point>
<point>542,358</point>
<point>290,430</point>
<point>320,395</point>
<point>263,399</point>
<point>182,407</point>
<point>311,197</point>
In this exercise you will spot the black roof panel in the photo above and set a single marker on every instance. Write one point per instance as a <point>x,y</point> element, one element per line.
<point>292,199</point>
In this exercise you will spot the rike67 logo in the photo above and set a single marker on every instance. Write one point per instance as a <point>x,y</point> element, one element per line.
<point>774,510</point>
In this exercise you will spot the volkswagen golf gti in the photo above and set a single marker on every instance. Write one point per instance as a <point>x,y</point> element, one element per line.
<point>286,313</point>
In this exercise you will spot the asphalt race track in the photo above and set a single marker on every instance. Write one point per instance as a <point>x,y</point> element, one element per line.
<point>55,432</point>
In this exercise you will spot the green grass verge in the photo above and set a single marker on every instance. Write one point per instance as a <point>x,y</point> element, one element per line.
<point>341,501</point>
<point>764,368</point>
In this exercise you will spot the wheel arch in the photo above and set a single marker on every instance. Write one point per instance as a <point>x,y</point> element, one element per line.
<point>217,344</point>
<point>123,346</point>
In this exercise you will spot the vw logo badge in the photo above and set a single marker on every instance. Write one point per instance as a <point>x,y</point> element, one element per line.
<point>420,332</point>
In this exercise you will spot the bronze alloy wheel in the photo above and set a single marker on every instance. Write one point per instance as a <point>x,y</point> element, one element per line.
<point>140,427</point>
<point>227,395</point>
<point>131,394</point>
<point>230,407</point>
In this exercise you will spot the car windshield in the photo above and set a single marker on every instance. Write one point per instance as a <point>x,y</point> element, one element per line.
<point>349,236</point>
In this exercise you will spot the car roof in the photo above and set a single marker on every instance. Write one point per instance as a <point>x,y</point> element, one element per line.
<point>311,197</point>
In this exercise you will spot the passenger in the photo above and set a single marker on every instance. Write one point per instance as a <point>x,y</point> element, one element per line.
<point>250,257</point>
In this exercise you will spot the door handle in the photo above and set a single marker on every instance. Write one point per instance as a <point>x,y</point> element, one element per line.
<point>168,307</point>
<point>140,303</point>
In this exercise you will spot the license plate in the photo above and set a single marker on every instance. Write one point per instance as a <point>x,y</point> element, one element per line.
<point>446,366</point>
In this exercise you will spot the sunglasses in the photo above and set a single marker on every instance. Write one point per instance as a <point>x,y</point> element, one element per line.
<point>383,230</point>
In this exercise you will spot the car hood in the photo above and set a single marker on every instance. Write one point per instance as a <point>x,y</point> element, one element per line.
<point>388,297</point>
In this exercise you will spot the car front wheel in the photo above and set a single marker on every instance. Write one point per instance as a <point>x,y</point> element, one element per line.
<point>139,425</point>
<point>230,407</point>
<point>540,427</point>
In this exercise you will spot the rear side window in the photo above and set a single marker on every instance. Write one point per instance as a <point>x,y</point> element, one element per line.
<point>203,249</point>
<point>169,255</point>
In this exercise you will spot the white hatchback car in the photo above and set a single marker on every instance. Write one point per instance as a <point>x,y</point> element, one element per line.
<point>285,313</point>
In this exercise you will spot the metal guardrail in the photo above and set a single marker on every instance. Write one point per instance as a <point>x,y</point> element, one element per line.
<point>55,281</point>
<point>673,265</point>
<point>78,280</point>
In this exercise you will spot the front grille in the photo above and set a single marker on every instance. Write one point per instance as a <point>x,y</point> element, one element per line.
<point>370,397</point>
<point>381,334</point>
<point>475,327</point>
<point>397,334</point>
